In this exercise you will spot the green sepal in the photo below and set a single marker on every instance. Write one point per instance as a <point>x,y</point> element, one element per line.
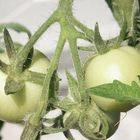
<point>3,66</point>
<point>118,91</point>
<point>123,32</point>
<point>34,77</point>
<point>90,48</point>
<point>13,86</point>
<point>74,93</point>
<point>15,26</point>
<point>28,61</point>
<point>54,85</point>
<point>12,48</point>
<point>11,52</point>
<point>99,43</point>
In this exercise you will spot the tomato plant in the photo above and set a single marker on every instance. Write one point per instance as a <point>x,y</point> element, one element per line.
<point>29,88</point>
<point>15,107</point>
<point>118,64</point>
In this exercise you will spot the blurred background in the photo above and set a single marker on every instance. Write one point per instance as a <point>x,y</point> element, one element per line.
<point>32,13</point>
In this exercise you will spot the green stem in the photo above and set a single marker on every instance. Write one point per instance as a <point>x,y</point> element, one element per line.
<point>88,32</point>
<point>65,6</point>
<point>52,68</point>
<point>23,53</point>
<point>35,120</point>
<point>31,132</point>
<point>78,67</point>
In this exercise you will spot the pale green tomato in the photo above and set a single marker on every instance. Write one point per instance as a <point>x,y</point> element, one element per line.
<point>121,64</point>
<point>15,108</point>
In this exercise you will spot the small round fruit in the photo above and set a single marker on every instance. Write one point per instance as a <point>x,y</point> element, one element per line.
<point>15,107</point>
<point>121,64</point>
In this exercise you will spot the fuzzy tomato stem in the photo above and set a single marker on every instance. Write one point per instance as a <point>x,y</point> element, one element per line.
<point>23,53</point>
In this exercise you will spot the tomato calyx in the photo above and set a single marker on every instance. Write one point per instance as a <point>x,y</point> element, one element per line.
<point>13,85</point>
<point>17,73</point>
<point>14,81</point>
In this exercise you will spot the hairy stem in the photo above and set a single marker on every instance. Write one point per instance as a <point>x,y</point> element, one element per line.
<point>35,119</point>
<point>88,32</point>
<point>23,53</point>
<point>52,68</point>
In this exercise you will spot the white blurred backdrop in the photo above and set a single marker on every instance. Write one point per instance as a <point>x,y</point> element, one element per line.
<point>32,13</point>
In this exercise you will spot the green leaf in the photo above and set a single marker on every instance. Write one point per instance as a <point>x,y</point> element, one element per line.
<point>15,26</point>
<point>90,48</point>
<point>118,91</point>
<point>74,93</point>
<point>118,7</point>
<point>100,44</point>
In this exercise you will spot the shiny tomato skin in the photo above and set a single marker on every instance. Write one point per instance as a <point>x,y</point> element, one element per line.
<point>15,108</point>
<point>121,64</point>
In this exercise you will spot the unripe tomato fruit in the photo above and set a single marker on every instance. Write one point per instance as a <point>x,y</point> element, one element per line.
<point>15,107</point>
<point>121,64</point>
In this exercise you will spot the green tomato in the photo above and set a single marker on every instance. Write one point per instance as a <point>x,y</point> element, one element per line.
<point>121,64</point>
<point>15,107</point>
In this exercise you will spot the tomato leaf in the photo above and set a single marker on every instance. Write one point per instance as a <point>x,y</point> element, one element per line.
<point>15,26</point>
<point>118,91</point>
<point>118,7</point>
<point>74,93</point>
